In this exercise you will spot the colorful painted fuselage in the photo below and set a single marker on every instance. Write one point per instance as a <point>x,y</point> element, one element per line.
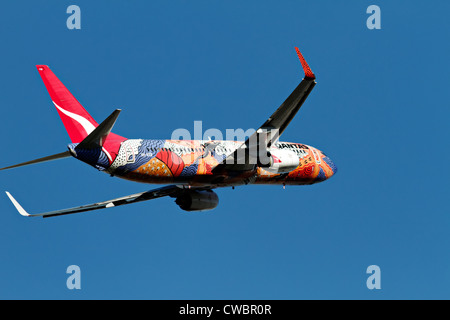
<point>190,162</point>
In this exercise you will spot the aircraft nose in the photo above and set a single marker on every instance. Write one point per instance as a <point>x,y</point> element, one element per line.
<point>330,164</point>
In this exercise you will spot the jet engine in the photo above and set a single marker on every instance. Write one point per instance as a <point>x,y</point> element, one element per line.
<point>282,161</point>
<point>197,200</point>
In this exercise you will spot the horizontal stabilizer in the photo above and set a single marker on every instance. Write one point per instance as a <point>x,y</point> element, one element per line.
<point>98,137</point>
<point>61,155</point>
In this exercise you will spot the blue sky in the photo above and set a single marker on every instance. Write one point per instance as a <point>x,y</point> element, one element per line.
<point>379,110</point>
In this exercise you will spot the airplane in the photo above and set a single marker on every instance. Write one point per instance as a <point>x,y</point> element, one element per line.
<point>192,168</point>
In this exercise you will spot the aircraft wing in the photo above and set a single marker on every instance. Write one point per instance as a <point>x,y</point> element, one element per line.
<point>171,190</point>
<point>256,149</point>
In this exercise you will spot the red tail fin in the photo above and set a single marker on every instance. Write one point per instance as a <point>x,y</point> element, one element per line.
<point>77,121</point>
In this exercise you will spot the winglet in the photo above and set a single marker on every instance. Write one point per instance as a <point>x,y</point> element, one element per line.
<point>308,73</point>
<point>17,205</point>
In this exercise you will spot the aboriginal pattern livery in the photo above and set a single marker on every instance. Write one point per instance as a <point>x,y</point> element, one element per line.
<point>193,168</point>
<point>182,161</point>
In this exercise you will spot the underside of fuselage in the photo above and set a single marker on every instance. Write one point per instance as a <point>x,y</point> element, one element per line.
<point>191,163</point>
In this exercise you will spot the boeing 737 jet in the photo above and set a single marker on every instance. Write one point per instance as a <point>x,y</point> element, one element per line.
<point>191,168</point>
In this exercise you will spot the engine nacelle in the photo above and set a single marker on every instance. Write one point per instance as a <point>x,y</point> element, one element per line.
<point>282,161</point>
<point>197,200</point>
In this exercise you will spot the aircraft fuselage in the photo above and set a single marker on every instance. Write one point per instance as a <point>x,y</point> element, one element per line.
<point>190,162</point>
